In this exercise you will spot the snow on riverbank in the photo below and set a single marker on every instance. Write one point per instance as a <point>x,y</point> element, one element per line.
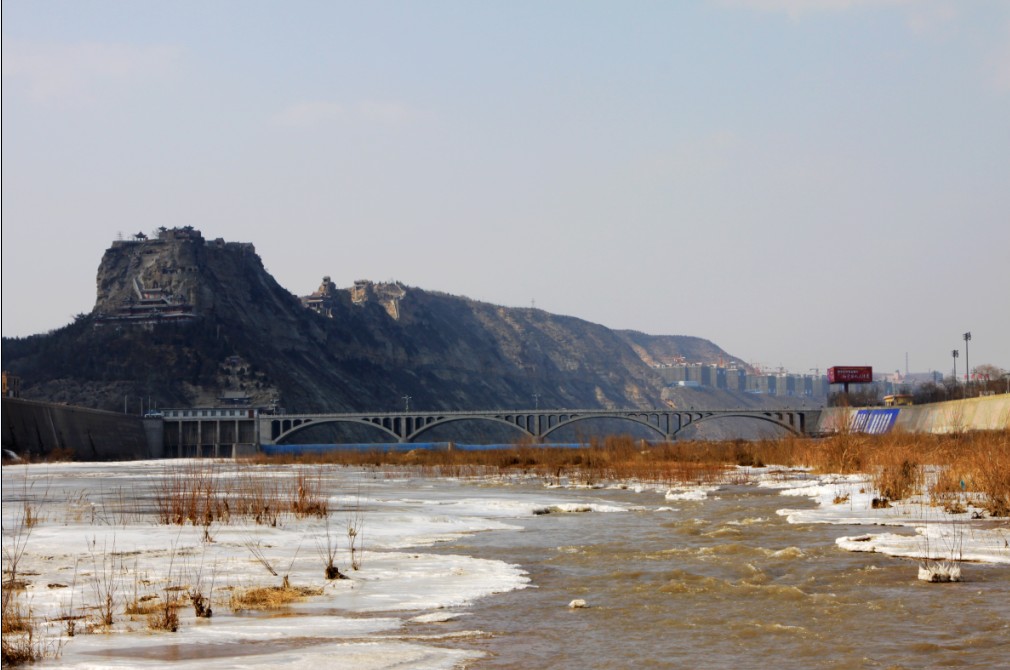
<point>936,534</point>
<point>96,536</point>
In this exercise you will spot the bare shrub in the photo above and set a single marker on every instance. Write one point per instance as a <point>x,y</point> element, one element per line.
<point>355,533</point>
<point>257,551</point>
<point>201,603</point>
<point>165,617</point>
<point>306,498</point>
<point>190,495</point>
<point>67,614</point>
<point>19,643</point>
<point>256,498</point>
<point>329,554</point>
<point>104,581</point>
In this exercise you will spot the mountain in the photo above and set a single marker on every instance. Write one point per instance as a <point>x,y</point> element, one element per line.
<point>184,321</point>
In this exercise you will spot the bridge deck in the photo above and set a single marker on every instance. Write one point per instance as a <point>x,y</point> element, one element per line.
<point>536,424</point>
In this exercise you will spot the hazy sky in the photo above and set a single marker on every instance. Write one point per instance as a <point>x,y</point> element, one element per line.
<point>804,183</point>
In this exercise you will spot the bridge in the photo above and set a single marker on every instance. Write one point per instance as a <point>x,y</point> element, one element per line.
<point>534,424</point>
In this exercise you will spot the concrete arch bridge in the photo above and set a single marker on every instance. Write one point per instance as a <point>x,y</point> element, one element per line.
<point>407,427</point>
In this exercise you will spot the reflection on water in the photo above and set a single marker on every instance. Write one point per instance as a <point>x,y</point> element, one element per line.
<point>727,583</point>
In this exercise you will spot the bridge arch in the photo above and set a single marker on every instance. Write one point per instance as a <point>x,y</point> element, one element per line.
<point>441,421</point>
<point>281,438</point>
<point>768,418</point>
<point>633,419</point>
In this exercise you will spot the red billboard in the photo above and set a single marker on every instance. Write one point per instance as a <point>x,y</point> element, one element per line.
<point>852,374</point>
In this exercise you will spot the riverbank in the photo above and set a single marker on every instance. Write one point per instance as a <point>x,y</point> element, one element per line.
<point>92,539</point>
<point>950,469</point>
<point>985,413</point>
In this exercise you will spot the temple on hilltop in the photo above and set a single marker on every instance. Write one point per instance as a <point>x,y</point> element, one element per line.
<point>152,305</point>
<point>145,282</point>
<point>386,294</point>
<point>322,300</point>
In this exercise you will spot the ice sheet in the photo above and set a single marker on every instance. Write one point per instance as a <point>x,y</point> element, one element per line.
<point>933,534</point>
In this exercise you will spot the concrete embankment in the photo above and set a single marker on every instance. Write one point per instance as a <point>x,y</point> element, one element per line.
<point>986,413</point>
<point>40,429</point>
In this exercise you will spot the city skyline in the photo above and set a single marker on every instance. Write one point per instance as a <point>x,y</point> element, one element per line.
<point>804,184</point>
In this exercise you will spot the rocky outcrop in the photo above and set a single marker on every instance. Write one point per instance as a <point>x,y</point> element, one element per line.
<point>185,321</point>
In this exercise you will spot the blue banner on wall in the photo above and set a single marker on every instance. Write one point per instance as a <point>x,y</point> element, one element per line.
<point>874,421</point>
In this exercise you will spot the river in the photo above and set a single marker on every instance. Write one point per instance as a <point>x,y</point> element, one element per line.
<point>726,582</point>
<point>480,574</point>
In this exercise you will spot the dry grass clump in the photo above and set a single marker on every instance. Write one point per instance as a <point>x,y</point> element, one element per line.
<point>143,606</point>
<point>980,463</point>
<point>201,605</point>
<point>256,498</point>
<point>160,611</point>
<point>270,597</point>
<point>190,495</point>
<point>990,474</point>
<point>306,497</point>
<point>165,617</point>
<point>18,643</point>
<point>896,467</point>
<point>16,619</point>
<point>844,453</point>
<point>968,466</point>
<point>196,495</point>
<point>976,463</point>
<point>20,647</point>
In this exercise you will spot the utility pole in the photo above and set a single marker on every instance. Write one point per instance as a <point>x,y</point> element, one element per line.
<point>954,354</point>
<point>967,367</point>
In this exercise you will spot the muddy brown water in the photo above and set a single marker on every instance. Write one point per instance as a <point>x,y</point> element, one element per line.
<point>726,583</point>
<point>719,583</point>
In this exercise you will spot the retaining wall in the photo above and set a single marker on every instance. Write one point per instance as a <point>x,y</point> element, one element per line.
<point>987,413</point>
<point>38,429</point>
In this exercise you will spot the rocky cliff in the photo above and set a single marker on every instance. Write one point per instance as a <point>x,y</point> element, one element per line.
<point>180,320</point>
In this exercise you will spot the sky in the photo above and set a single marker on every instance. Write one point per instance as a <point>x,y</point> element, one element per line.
<point>804,183</point>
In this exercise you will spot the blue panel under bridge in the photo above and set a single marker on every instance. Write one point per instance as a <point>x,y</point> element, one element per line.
<point>537,425</point>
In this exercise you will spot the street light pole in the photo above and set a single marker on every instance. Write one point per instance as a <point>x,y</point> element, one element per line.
<point>954,354</point>
<point>406,403</point>
<point>967,367</point>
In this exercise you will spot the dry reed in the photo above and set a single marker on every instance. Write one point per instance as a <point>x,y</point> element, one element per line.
<point>896,462</point>
<point>195,494</point>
